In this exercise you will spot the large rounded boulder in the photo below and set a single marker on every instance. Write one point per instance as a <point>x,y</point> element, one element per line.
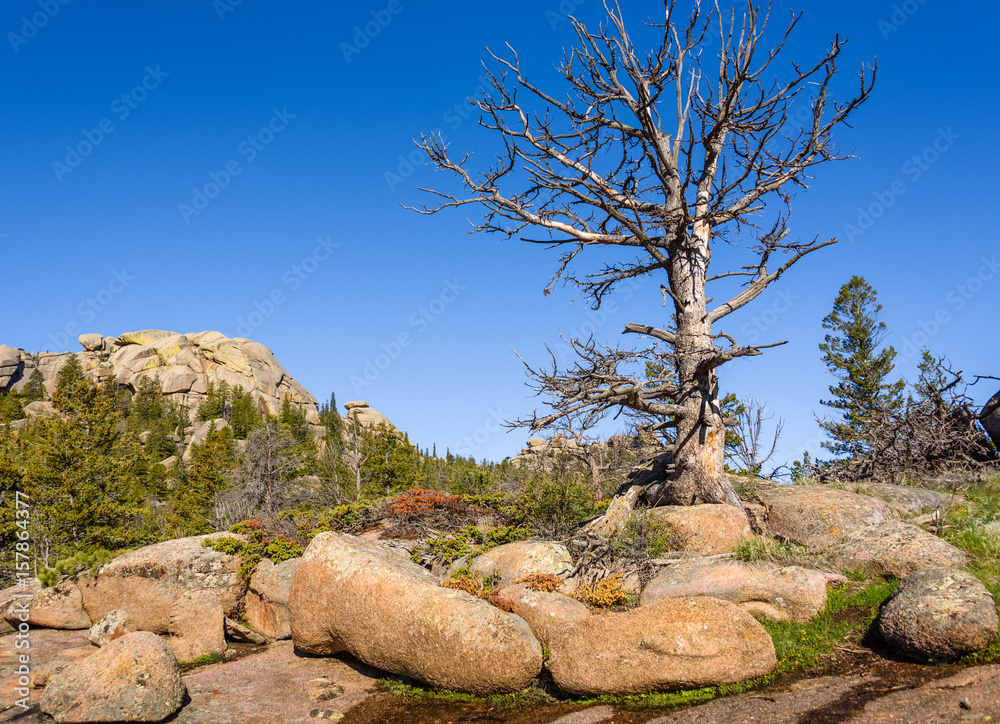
<point>702,529</point>
<point>896,548</point>
<point>940,614</point>
<point>146,583</point>
<point>267,598</point>
<point>787,593</point>
<point>676,643</point>
<point>513,561</point>
<point>133,678</point>
<point>820,517</point>
<point>355,595</point>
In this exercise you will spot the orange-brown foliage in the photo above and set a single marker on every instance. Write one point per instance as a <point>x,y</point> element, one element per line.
<point>545,582</point>
<point>419,503</point>
<point>471,585</point>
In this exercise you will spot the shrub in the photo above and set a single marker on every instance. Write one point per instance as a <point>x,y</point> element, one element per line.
<point>470,541</point>
<point>478,589</point>
<point>554,504</point>
<point>606,592</point>
<point>255,548</point>
<point>87,559</point>
<point>544,582</point>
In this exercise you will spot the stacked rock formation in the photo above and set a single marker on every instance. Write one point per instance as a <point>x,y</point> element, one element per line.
<point>183,364</point>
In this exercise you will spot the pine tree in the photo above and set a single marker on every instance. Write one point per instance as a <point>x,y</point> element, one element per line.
<point>293,419</point>
<point>244,415</point>
<point>10,407</point>
<point>852,354</point>
<point>390,464</point>
<point>68,383</point>
<point>34,390</point>
<point>194,500</point>
<point>86,475</point>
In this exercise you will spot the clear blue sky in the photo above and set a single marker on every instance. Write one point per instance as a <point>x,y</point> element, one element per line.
<point>158,101</point>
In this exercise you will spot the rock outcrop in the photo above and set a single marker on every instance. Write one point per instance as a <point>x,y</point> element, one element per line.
<point>939,614</point>
<point>146,583</point>
<point>675,643</point>
<point>355,595</point>
<point>267,598</point>
<point>183,364</point>
<point>135,678</point>
<point>895,548</point>
<point>820,517</point>
<point>780,594</point>
<point>989,416</point>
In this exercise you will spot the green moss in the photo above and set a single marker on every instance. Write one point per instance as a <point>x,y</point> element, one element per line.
<point>206,659</point>
<point>532,696</point>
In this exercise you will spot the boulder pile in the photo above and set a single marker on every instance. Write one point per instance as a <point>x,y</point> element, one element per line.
<point>693,622</point>
<point>183,364</point>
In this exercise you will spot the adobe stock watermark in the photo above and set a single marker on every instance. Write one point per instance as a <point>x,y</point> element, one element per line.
<point>121,107</point>
<point>473,442</point>
<point>19,608</point>
<point>901,14</point>
<point>291,280</point>
<point>48,9</point>
<point>89,308</point>
<point>562,13</point>
<point>420,321</point>
<point>224,7</point>
<point>914,169</point>
<point>453,117</point>
<point>956,300</point>
<point>596,319</point>
<point>759,324</point>
<point>247,150</point>
<point>366,33</point>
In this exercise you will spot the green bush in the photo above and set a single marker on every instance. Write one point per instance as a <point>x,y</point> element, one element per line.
<point>554,504</point>
<point>83,560</point>
<point>255,548</point>
<point>469,542</point>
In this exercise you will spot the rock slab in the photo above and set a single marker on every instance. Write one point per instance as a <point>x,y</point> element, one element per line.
<point>896,548</point>
<point>820,517</point>
<point>790,593</point>
<point>267,598</point>
<point>197,626</point>
<point>670,644</point>
<point>146,583</point>
<point>940,614</point>
<point>355,595</point>
<point>135,678</point>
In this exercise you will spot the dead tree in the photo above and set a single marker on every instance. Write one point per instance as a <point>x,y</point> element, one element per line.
<point>751,450</point>
<point>658,156</point>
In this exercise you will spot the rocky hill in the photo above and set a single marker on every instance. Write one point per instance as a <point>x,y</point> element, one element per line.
<point>183,364</point>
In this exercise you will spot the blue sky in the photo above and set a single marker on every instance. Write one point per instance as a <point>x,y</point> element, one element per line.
<point>241,167</point>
